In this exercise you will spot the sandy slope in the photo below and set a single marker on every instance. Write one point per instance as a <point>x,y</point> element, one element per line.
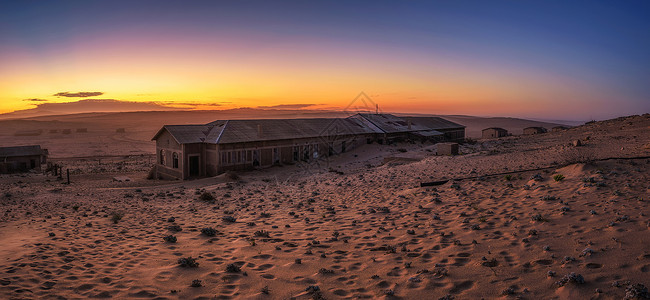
<point>370,232</point>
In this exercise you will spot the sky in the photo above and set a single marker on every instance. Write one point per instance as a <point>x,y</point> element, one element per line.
<point>562,60</point>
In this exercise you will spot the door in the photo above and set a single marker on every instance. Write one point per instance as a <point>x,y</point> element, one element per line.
<point>194,166</point>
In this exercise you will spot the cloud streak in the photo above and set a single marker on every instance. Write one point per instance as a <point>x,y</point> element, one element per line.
<point>78,94</point>
<point>36,100</point>
<point>287,106</point>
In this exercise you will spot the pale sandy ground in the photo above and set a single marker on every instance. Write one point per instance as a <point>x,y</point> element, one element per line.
<point>370,232</point>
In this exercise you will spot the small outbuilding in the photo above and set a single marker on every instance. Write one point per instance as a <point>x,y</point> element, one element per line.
<point>493,132</point>
<point>534,130</point>
<point>447,149</point>
<point>22,158</point>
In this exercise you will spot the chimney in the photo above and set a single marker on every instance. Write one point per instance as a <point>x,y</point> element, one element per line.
<point>259,130</point>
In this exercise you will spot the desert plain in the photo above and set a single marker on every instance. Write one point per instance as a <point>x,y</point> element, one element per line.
<point>530,217</point>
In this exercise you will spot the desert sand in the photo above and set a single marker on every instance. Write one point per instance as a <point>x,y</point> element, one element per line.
<point>575,226</point>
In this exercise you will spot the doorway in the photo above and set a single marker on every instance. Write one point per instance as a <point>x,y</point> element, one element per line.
<point>194,165</point>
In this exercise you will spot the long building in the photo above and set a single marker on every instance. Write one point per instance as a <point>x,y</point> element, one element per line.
<point>22,158</point>
<point>188,151</point>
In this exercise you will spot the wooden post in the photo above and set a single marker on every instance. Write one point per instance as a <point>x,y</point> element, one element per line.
<point>68,171</point>
<point>56,167</point>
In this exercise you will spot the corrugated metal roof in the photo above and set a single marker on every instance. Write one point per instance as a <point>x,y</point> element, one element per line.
<point>428,133</point>
<point>237,131</point>
<point>186,134</point>
<point>21,151</point>
<point>435,123</point>
<point>392,124</point>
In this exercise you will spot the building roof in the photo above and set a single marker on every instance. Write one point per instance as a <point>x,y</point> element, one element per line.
<point>436,123</point>
<point>389,123</point>
<point>22,151</point>
<point>495,128</point>
<point>237,131</point>
<point>428,133</point>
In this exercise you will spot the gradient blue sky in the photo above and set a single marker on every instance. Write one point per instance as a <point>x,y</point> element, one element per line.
<point>541,59</point>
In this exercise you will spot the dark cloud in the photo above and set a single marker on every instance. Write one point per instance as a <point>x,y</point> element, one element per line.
<point>78,94</point>
<point>36,100</point>
<point>88,106</point>
<point>287,106</point>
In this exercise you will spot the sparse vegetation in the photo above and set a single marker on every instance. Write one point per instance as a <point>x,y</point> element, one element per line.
<point>262,233</point>
<point>116,217</point>
<point>170,239</point>
<point>229,219</point>
<point>205,196</point>
<point>233,268</point>
<point>209,231</point>
<point>508,177</point>
<point>188,262</point>
<point>196,283</point>
<point>558,177</point>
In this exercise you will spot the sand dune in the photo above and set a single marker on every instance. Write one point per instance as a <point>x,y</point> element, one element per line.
<point>371,232</point>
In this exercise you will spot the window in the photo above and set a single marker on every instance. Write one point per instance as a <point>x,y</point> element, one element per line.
<point>175,160</point>
<point>223,158</point>
<point>162,157</point>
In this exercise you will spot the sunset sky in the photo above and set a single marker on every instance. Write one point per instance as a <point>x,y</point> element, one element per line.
<point>537,59</point>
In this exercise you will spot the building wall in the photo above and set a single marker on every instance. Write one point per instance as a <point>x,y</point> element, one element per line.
<point>250,155</point>
<point>21,163</point>
<point>166,150</point>
<point>453,134</point>
<point>532,131</point>
<point>493,133</point>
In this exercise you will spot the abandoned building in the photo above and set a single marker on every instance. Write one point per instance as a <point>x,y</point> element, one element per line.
<point>22,158</point>
<point>493,132</point>
<point>534,130</point>
<point>186,151</point>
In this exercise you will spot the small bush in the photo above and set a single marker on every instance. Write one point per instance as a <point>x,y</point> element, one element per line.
<point>229,219</point>
<point>402,150</point>
<point>206,197</point>
<point>116,217</point>
<point>262,233</point>
<point>209,231</point>
<point>196,283</point>
<point>508,177</point>
<point>170,239</point>
<point>233,268</point>
<point>188,262</point>
<point>558,177</point>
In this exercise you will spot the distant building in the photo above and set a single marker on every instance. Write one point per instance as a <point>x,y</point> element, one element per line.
<point>185,151</point>
<point>559,128</point>
<point>22,158</point>
<point>493,132</point>
<point>534,130</point>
